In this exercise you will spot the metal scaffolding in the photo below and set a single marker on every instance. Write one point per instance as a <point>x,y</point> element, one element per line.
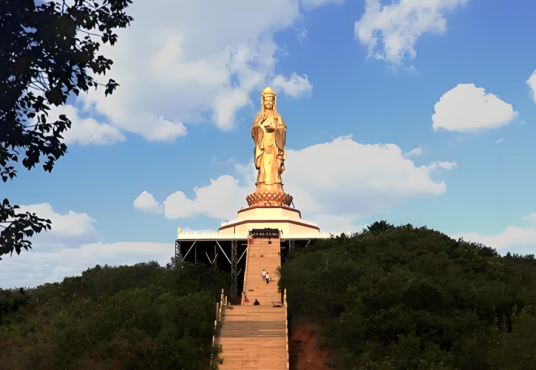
<point>228,255</point>
<point>178,257</point>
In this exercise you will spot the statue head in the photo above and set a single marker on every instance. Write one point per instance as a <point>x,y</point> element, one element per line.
<point>268,101</point>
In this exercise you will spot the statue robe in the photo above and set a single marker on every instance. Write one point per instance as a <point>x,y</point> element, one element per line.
<point>269,134</point>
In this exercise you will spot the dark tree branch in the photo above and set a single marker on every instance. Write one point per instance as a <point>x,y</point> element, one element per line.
<point>40,49</point>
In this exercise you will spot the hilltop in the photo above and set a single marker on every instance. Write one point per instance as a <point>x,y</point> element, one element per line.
<point>413,298</point>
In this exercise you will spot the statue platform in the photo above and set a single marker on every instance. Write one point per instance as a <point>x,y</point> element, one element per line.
<point>285,219</point>
<point>227,247</point>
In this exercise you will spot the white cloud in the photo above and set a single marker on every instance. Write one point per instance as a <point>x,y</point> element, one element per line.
<point>221,199</point>
<point>294,86</point>
<point>399,25</point>
<point>414,152</point>
<point>523,122</point>
<point>311,4</point>
<point>337,224</point>
<point>447,165</point>
<point>200,62</point>
<point>412,69</point>
<point>499,141</point>
<point>247,172</point>
<point>302,36</point>
<point>346,177</point>
<point>67,228</point>
<point>72,246</point>
<point>513,239</point>
<point>86,131</point>
<point>40,266</point>
<point>467,108</point>
<point>532,84</point>
<point>444,165</point>
<point>335,182</point>
<point>531,218</point>
<point>146,202</point>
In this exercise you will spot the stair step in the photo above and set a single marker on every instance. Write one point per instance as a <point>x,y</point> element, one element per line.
<point>254,337</point>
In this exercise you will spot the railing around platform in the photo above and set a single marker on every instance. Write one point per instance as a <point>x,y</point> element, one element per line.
<point>281,218</point>
<point>198,233</point>
<point>286,326</point>
<point>220,311</point>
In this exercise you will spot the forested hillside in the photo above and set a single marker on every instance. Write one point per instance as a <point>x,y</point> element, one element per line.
<point>390,298</point>
<point>413,298</point>
<point>138,317</point>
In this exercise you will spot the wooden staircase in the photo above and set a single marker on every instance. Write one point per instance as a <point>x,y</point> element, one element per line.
<point>256,337</point>
<point>262,254</point>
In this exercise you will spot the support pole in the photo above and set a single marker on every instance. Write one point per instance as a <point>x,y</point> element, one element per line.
<point>291,246</point>
<point>223,252</point>
<point>243,253</point>
<point>183,258</point>
<point>178,257</point>
<point>234,268</point>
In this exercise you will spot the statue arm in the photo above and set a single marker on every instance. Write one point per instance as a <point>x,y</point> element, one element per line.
<point>257,134</point>
<point>281,136</point>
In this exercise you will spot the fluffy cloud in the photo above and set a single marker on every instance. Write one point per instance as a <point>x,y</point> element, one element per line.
<point>294,86</point>
<point>86,131</point>
<point>414,152</point>
<point>532,84</point>
<point>346,177</point>
<point>531,218</point>
<point>337,224</point>
<point>335,182</point>
<point>513,239</point>
<point>40,266</point>
<point>439,164</point>
<point>72,246</point>
<point>67,228</point>
<point>467,108</point>
<point>145,201</point>
<point>447,165</point>
<point>499,141</point>
<point>200,62</point>
<point>221,199</point>
<point>399,25</point>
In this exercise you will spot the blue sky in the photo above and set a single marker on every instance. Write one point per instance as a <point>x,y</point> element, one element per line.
<point>190,88</point>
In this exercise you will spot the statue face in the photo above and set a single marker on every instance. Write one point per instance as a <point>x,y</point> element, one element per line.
<point>268,102</point>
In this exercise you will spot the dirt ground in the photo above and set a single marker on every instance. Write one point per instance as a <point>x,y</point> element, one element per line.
<point>304,353</point>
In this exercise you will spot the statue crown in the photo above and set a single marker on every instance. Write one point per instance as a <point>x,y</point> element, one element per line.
<point>268,91</point>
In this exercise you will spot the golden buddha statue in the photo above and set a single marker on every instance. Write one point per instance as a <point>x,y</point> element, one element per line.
<point>269,134</point>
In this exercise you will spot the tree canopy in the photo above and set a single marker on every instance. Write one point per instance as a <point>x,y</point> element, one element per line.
<point>412,298</point>
<point>47,52</point>
<point>129,317</point>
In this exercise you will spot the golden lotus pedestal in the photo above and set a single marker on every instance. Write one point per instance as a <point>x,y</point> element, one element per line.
<point>269,198</point>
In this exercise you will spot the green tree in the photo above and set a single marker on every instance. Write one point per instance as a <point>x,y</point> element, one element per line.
<point>127,317</point>
<point>405,298</point>
<point>47,52</point>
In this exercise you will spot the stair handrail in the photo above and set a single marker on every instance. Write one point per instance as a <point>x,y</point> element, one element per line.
<point>286,325</point>
<point>220,310</point>
<point>244,288</point>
